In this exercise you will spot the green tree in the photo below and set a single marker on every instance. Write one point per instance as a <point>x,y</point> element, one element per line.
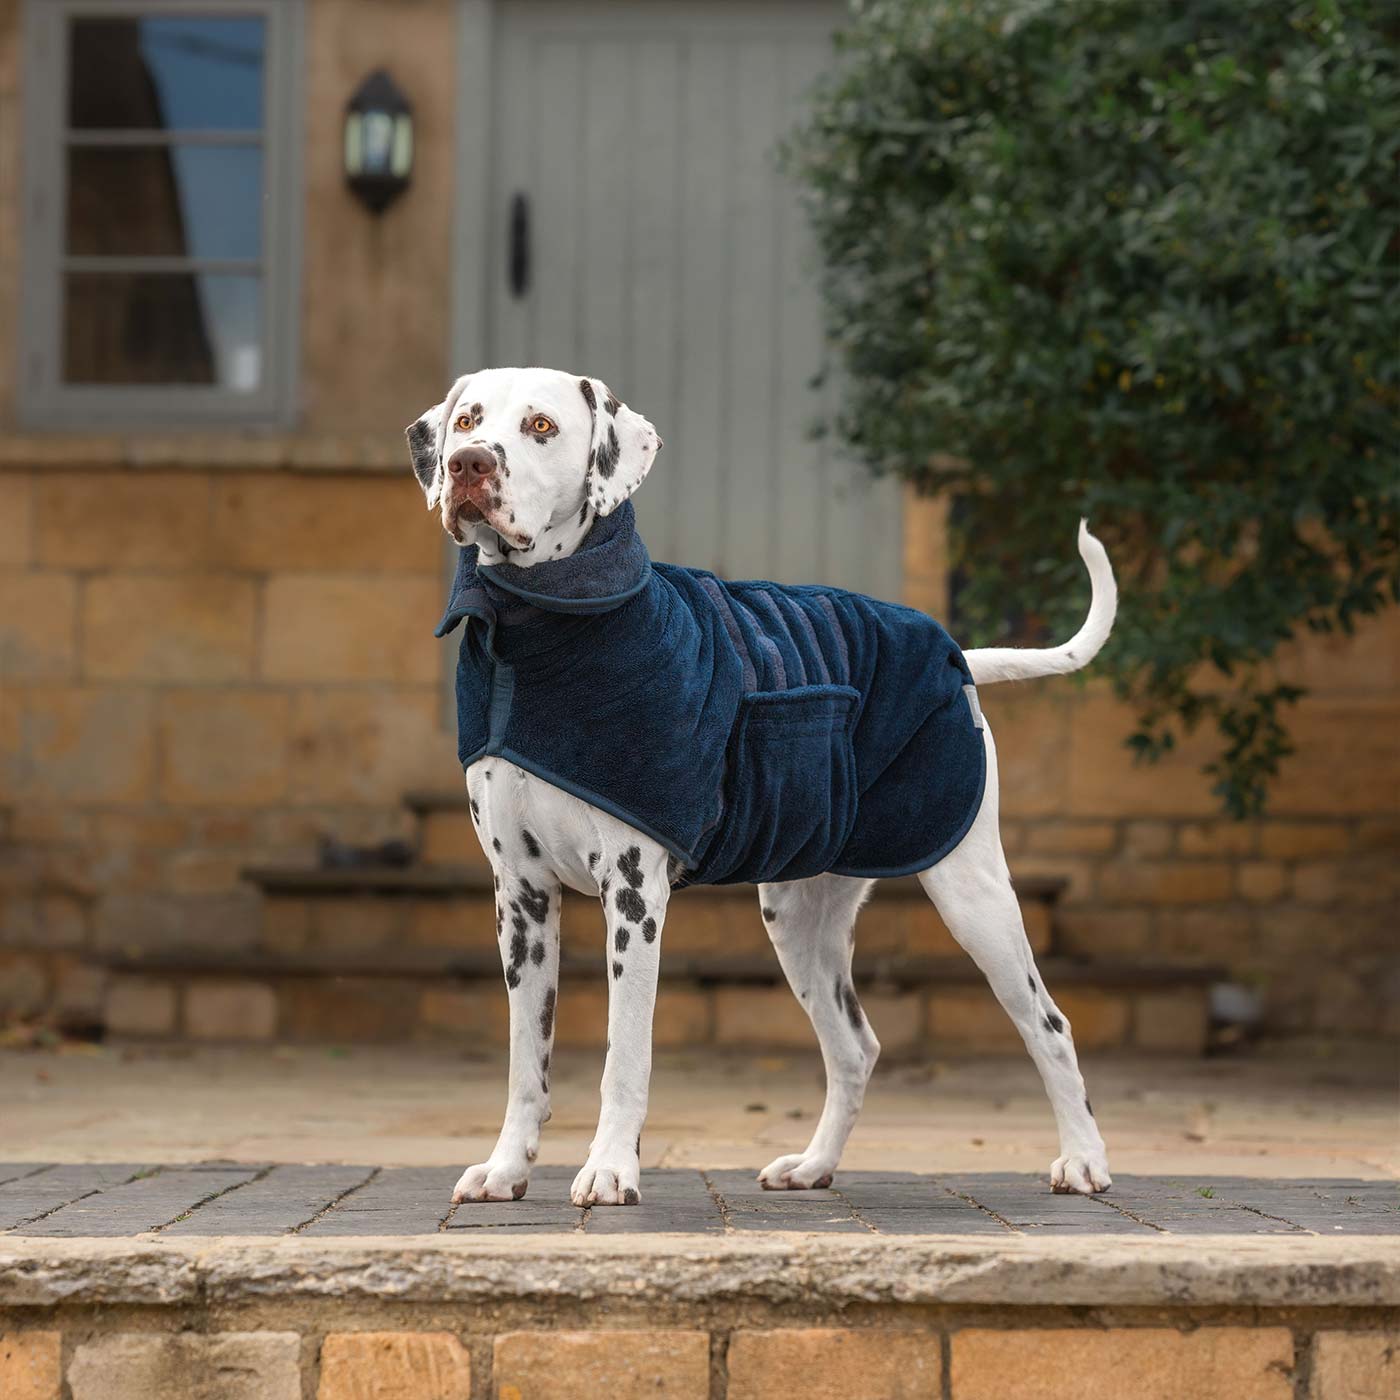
<point>1135,260</point>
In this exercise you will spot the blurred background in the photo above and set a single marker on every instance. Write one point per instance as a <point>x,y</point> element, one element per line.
<point>244,242</point>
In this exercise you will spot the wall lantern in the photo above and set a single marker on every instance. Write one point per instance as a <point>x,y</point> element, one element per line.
<point>378,141</point>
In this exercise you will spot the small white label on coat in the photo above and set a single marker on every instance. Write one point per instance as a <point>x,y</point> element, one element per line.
<point>973,704</point>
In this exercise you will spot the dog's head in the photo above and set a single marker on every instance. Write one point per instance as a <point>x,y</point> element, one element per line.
<point>517,461</point>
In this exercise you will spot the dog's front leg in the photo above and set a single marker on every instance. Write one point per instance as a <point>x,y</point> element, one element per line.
<point>527,927</point>
<point>634,888</point>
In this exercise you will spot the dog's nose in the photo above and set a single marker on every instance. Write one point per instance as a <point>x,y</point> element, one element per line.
<point>472,462</point>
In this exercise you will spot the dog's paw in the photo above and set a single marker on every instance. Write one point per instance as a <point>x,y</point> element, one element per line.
<point>492,1181</point>
<point>797,1173</point>
<point>608,1179</point>
<point>1083,1173</point>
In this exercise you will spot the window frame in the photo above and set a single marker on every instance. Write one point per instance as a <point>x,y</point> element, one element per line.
<point>45,400</point>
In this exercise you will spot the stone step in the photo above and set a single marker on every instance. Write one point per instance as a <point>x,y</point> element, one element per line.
<point>915,1005</point>
<point>325,912</point>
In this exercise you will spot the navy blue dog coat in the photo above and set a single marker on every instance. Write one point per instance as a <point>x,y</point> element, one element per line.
<point>758,731</point>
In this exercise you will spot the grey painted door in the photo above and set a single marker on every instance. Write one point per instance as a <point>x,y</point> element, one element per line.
<point>669,257</point>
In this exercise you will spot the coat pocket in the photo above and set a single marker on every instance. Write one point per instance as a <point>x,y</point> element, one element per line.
<point>790,786</point>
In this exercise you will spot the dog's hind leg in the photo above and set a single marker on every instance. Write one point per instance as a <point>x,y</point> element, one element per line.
<point>634,886</point>
<point>971,887</point>
<point>811,923</point>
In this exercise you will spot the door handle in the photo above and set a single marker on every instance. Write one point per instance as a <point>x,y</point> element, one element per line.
<point>518,268</point>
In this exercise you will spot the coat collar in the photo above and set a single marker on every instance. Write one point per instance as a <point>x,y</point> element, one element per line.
<point>609,567</point>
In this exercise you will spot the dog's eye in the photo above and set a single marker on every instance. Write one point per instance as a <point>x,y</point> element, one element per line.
<point>463,423</point>
<point>542,425</point>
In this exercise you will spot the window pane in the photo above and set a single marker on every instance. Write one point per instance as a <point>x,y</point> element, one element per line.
<point>178,73</point>
<point>197,201</point>
<point>163,328</point>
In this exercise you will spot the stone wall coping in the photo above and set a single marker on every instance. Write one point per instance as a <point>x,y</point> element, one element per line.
<point>780,1268</point>
<point>234,450</point>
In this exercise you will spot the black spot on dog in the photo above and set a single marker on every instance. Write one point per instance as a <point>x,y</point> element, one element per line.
<point>606,461</point>
<point>649,929</point>
<point>589,397</point>
<point>1030,982</point>
<point>622,938</point>
<point>630,1196</point>
<point>629,866</point>
<point>638,1148</point>
<point>476,811</point>
<point>611,404</point>
<point>617,970</point>
<point>532,847</point>
<point>604,887</point>
<point>500,458</point>
<point>592,859</point>
<point>631,905</point>
<point>422,451</point>
<point>853,1014</point>
<point>1088,1107</point>
<point>768,914</point>
<point>583,514</point>
<point>519,947</point>
<point>1053,1023</point>
<point>488,775</point>
<point>512,978</point>
<point>837,990</point>
<point>496,843</point>
<point>536,902</point>
<point>547,1018</point>
<point>537,953</point>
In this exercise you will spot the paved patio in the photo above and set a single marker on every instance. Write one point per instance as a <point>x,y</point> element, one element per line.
<point>223,1199</point>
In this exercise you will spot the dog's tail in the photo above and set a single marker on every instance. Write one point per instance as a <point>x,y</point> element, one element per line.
<point>991,664</point>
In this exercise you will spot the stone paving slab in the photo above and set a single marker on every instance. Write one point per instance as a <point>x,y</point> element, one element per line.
<point>224,1199</point>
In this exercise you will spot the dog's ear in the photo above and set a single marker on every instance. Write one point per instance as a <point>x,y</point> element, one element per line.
<point>426,435</point>
<point>623,447</point>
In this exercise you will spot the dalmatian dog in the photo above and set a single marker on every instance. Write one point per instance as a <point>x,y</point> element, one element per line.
<point>522,463</point>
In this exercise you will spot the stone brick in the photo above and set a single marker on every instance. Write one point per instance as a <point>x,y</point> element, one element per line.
<point>1207,935</point>
<point>154,830</point>
<point>1103,932</point>
<point>394,1366</point>
<point>653,1365</point>
<point>223,746</point>
<point>1218,838</point>
<point>139,1006</point>
<point>1346,763</point>
<point>1337,663</point>
<point>449,838</point>
<point>46,824</point>
<point>193,1366</point>
<point>769,1016</point>
<point>1032,749</point>
<point>349,1009</point>
<point>1170,1021</point>
<point>24,985</point>
<point>150,520</point>
<point>186,627</point>
<point>230,1010</point>
<point>1098,1018</point>
<point>1355,1366</point>
<point>350,629</point>
<point>135,923</point>
<point>1166,882</point>
<point>581,1015</point>
<point>76,745</point>
<point>835,1363</point>
<point>1261,880</point>
<point>970,1018</point>
<point>1299,840</point>
<point>463,923</point>
<point>1059,838</point>
<point>323,524</point>
<point>285,925</point>
<point>1102,778</point>
<point>479,1013</point>
<point>1317,882</point>
<point>1150,840</point>
<point>354,746</point>
<point>1382,835</point>
<point>38,626</point>
<point>78,994</point>
<point>683,1016</point>
<point>30,1365</point>
<point>49,921</point>
<point>16,518</point>
<point>1147,1363</point>
<point>202,871</point>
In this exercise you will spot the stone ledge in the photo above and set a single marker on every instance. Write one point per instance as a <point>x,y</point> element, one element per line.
<point>821,1272</point>
<point>234,450</point>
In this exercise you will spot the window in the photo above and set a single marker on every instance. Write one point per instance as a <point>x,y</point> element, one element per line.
<point>161,200</point>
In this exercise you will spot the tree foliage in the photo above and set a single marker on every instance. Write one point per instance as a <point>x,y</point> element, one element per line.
<point>1132,260</point>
